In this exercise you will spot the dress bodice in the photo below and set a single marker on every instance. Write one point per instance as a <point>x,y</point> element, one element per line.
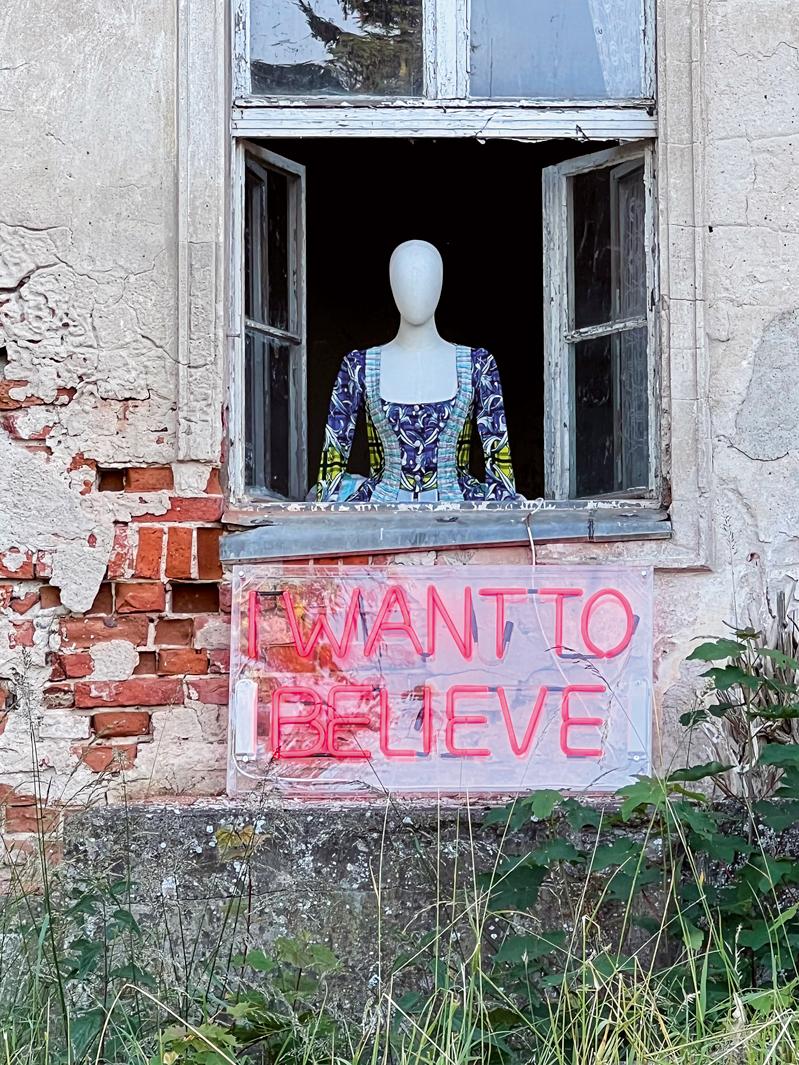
<point>417,451</point>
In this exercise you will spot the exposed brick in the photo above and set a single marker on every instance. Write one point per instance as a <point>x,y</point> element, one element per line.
<point>21,634</point>
<point>84,632</point>
<point>174,631</point>
<point>23,604</point>
<point>58,696</point>
<point>193,508</point>
<point>14,426</point>
<point>212,631</point>
<point>194,598</point>
<point>50,596</point>
<point>225,597</point>
<point>110,480</point>
<point>148,553</point>
<point>43,567</point>
<point>56,665</point>
<point>103,601</point>
<point>214,690</point>
<point>208,565</point>
<point>136,598</point>
<point>149,479</point>
<point>138,691</point>
<point>214,487</point>
<point>182,660</point>
<point>30,817</point>
<point>146,664</point>
<point>6,591</point>
<point>77,665</point>
<point>121,723</point>
<point>9,402</point>
<point>16,564</point>
<point>106,759</point>
<point>178,552</point>
<point>80,462</point>
<point>219,661</point>
<point>119,561</point>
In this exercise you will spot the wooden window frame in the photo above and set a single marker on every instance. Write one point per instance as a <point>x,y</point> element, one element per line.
<point>446,112</point>
<point>560,336</point>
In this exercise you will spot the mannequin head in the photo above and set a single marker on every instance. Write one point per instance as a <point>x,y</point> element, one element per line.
<point>416,273</point>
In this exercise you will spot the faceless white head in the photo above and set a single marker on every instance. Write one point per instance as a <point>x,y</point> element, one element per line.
<point>416,272</point>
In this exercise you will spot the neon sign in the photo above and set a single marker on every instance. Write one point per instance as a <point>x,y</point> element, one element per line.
<point>441,679</point>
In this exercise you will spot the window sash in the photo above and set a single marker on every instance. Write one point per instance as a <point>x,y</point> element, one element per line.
<point>446,59</point>
<point>561,337</point>
<point>257,158</point>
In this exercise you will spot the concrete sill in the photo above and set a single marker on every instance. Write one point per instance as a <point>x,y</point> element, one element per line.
<point>309,532</point>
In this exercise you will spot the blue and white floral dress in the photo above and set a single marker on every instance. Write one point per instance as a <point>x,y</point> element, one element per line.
<point>417,451</point>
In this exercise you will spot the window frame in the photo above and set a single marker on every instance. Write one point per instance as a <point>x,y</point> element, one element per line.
<point>633,123</point>
<point>298,442</point>
<point>560,336</point>
<point>446,62</point>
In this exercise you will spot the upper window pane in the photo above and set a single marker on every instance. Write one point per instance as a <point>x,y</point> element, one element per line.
<point>557,49</point>
<point>324,47</point>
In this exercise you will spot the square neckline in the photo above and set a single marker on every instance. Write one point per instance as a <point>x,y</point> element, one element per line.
<point>378,349</point>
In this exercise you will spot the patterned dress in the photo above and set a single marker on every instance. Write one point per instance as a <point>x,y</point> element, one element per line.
<point>417,451</point>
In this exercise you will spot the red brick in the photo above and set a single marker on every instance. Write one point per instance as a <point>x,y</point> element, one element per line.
<point>146,663</point>
<point>85,632</point>
<point>106,759</point>
<point>148,553</point>
<point>30,817</point>
<point>121,723</point>
<point>208,565</point>
<point>6,591</point>
<point>178,552</point>
<point>212,630</point>
<point>12,425</point>
<point>23,605</point>
<point>21,635</point>
<point>214,487</point>
<point>219,661</point>
<point>119,562</point>
<point>58,696</point>
<point>17,564</point>
<point>138,691</point>
<point>194,508</point>
<point>103,601</point>
<point>174,631</point>
<point>225,597</point>
<point>214,690</point>
<point>183,660</point>
<point>136,598</point>
<point>194,598</point>
<point>43,566</point>
<point>78,665</point>
<point>149,479</point>
<point>9,402</point>
<point>80,462</point>
<point>49,596</point>
<point>56,665</point>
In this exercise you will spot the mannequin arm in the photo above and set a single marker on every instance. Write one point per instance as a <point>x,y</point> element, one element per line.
<point>345,403</point>
<point>493,429</point>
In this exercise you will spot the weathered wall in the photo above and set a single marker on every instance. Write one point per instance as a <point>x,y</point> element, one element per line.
<point>109,520</point>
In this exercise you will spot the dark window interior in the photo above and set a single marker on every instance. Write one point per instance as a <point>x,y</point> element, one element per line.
<point>480,204</point>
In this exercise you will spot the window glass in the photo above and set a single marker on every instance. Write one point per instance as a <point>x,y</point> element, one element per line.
<point>267,419</point>
<point>593,417</point>
<point>592,251</point>
<point>557,49</point>
<point>317,47</point>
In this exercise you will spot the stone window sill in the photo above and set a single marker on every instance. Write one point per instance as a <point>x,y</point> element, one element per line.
<point>298,531</point>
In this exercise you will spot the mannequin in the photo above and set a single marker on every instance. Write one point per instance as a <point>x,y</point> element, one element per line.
<point>422,397</point>
<point>417,366</point>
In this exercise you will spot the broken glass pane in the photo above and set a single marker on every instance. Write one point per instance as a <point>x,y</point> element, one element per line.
<point>557,49</point>
<point>316,47</point>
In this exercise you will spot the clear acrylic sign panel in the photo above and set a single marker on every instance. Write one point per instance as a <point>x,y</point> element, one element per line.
<point>442,679</point>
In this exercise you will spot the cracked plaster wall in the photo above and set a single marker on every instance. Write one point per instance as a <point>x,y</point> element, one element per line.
<point>89,288</point>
